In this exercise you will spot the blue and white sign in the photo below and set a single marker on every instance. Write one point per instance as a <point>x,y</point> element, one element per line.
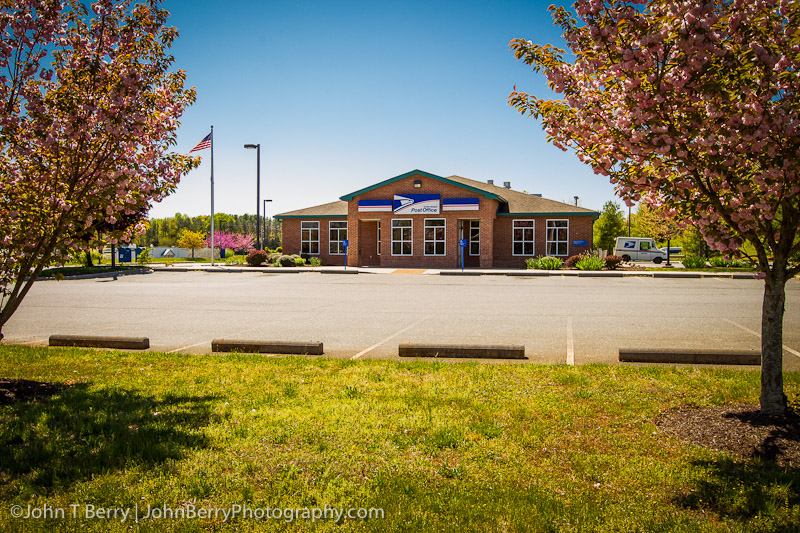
<point>461,204</point>
<point>346,243</point>
<point>371,206</point>
<point>416,204</point>
<point>580,243</point>
<point>462,243</point>
<point>629,245</point>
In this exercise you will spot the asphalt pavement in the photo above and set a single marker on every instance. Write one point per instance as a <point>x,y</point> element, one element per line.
<point>560,319</point>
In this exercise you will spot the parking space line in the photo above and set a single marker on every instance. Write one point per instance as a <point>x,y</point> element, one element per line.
<point>387,339</point>
<point>748,330</point>
<point>570,343</point>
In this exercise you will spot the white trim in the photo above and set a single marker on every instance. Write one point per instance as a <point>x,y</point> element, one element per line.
<point>434,241</point>
<point>338,234</point>
<point>401,241</point>
<point>523,241</point>
<point>309,241</point>
<point>469,237</point>
<point>547,241</point>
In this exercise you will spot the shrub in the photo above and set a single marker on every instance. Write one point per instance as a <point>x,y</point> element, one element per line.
<point>279,249</point>
<point>550,263</point>
<point>694,262</point>
<point>144,257</point>
<point>590,262</point>
<point>572,262</point>
<point>718,262</point>
<point>273,257</point>
<point>315,262</point>
<point>299,261</point>
<point>612,261</point>
<point>286,261</point>
<point>256,258</point>
<point>532,262</point>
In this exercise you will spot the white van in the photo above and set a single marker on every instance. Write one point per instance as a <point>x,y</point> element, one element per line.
<point>639,249</point>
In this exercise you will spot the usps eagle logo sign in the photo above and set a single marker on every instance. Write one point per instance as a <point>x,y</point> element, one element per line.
<point>416,204</point>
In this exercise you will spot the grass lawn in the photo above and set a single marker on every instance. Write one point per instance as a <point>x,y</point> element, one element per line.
<point>436,446</point>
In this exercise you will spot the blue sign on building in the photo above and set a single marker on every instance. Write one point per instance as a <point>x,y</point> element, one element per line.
<point>416,204</point>
<point>580,243</point>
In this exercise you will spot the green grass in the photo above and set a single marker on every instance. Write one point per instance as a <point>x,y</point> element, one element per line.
<point>437,446</point>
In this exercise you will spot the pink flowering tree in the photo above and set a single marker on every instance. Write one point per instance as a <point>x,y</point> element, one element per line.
<point>234,241</point>
<point>693,107</point>
<point>90,110</point>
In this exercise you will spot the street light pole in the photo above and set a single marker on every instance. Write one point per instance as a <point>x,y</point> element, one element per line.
<point>258,191</point>
<point>266,231</point>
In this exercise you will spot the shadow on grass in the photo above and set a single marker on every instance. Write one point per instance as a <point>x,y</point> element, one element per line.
<point>81,432</point>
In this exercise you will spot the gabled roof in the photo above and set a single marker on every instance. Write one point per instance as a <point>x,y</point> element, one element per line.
<point>481,191</point>
<point>337,209</point>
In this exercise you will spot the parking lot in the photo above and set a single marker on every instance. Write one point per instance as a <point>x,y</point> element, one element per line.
<point>557,319</point>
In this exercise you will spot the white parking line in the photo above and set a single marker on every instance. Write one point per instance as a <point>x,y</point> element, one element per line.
<point>748,330</point>
<point>387,339</point>
<point>570,343</point>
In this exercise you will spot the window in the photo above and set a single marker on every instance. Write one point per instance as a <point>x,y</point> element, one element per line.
<point>644,245</point>
<point>337,234</point>
<point>379,237</point>
<point>523,237</point>
<point>557,237</point>
<point>474,237</point>
<point>434,236</point>
<point>401,236</point>
<point>309,238</point>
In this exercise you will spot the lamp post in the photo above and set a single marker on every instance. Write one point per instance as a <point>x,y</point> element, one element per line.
<point>266,232</point>
<point>257,148</point>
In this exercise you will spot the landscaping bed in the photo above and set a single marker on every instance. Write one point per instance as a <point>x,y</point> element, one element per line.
<point>437,446</point>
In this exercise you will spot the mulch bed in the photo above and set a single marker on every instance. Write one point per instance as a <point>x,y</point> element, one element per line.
<point>741,431</point>
<point>24,390</point>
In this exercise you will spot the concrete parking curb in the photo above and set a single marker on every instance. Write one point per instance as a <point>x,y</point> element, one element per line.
<point>278,347</point>
<point>101,274</point>
<point>88,341</point>
<point>700,357</point>
<point>338,271</point>
<point>465,351</point>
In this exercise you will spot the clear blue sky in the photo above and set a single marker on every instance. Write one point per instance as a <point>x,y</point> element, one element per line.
<point>344,94</point>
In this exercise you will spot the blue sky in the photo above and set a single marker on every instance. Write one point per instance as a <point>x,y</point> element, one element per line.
<point>344,94</point>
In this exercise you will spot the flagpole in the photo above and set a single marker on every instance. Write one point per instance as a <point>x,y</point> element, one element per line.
<point>212,195</point>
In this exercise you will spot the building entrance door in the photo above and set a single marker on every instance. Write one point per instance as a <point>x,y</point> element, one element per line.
<point>470,230</point>
<point>369,238</point>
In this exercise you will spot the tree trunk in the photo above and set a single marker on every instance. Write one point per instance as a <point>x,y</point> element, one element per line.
<point>773,400</point>
<point>88,258</point>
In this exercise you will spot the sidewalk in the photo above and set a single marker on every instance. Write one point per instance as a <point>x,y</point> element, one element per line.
<point>665,273</point>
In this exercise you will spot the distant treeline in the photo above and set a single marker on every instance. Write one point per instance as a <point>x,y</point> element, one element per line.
<point>164,231</point>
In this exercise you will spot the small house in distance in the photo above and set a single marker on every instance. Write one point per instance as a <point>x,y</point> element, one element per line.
<point>420,220</point>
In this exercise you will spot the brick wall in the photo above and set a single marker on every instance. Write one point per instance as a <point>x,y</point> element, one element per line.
<point>452,259</point>
<point>291,239</point>
<point>580,228</point>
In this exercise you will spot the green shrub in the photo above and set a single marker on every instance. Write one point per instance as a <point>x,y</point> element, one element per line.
<point>299,261</point>
<point>256,258</point>
<point>144,257</point>
<point>273,257</point>
<point>612,261</point>
<point>694,262</point>
<point>590,262</point>
<point>315,262</point>
<point>532,263</point>
<point>287,261</point>
<point>550,263</point>
<point>279,249</point>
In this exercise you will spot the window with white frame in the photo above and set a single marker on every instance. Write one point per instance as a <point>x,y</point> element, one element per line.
<point>435,229</point>
<point>379,237</point>
<point>557,237</point>
<point>402,240</point>
<point>474,237</point>
<point>337,233</point>
<point>309,238</point>
<point>523,237</point>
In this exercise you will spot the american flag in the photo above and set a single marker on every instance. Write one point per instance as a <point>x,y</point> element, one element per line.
<point>202,145</point>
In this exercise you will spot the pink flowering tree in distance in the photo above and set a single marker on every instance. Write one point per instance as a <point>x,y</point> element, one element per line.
<point>90,110</point>
<point>234,241</point>
<point>693,107</point>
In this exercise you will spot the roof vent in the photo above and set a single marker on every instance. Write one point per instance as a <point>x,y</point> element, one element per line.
<point>490,182</point>
<point>536,194</point>
<point>507,184</point>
